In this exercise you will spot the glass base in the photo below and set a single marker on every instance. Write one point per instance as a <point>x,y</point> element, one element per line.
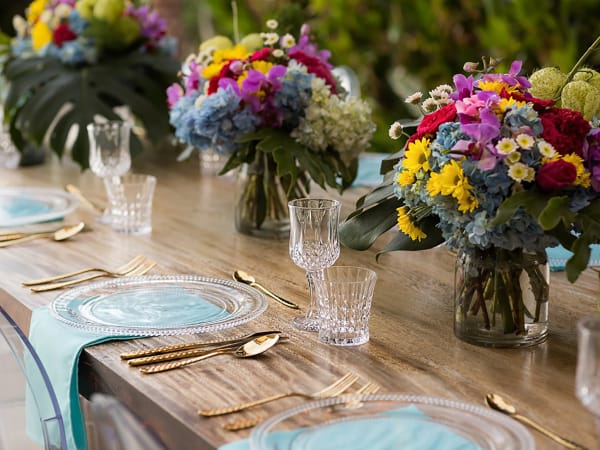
<point>477,335</point>
<point>306,324</point>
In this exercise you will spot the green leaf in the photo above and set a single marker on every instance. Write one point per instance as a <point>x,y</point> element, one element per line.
<point>556,211</point>
<point>403,242</point>
<point>361,230</point>
<point>533,201</point>
<point>578,262</point>
<point>39,88</point>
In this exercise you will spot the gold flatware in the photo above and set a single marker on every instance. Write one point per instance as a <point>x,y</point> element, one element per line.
<point>335,388</point>
<point>124,269</point>
<point>61,234</point>
<point>498,403</point>
<point>141,357</point>
<point>244,424</point>
<point>140,269</point>
<point>74,190</point>
<point>249,349</point>
<point>244,277</point>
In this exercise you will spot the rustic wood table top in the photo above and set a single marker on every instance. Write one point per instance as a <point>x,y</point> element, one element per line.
<point>412,347</point>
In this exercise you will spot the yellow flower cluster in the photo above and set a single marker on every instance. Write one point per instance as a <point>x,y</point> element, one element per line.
<point>408,227</point>
<point>452,181</point>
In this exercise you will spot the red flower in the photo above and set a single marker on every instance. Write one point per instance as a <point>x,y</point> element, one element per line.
<point>556,175</point>
<point>62,34</point>
<point>538,103</point>
<point>213,84</point>
<point>315,66</point>
<point>432,121</point>
<point>261,55</point>
<point>565,129</point>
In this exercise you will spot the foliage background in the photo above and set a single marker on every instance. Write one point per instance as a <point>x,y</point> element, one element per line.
<point>398,46</point>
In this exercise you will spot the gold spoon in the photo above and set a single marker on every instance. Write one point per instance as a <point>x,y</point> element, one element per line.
<point>59,235</point>
<point>498,403</point>
<point>243,277</point>
<point>74,190</point>
<point>249,349</point>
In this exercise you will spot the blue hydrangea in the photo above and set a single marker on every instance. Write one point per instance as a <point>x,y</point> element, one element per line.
<point>523,116</point>
<point>294,95</point>
<point>217,124</point>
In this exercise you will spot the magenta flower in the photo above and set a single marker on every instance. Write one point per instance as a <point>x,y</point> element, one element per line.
<point>152,26</point>
<point>192,80</point>
<point>174,93</point>
<point>481,147</point>
<point>305,46</point>
<point>511,78</point>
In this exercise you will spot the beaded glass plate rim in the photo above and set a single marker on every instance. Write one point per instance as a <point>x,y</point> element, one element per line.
<point>68,204</point>
<point>525,439</point>
<point>256,305</point>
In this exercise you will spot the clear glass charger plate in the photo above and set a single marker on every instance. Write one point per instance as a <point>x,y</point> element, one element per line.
<point>27,205</point>
<point>159,305</point>
<point>390,422</point>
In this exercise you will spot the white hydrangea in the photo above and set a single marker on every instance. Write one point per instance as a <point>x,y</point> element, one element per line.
<point>332,122</point>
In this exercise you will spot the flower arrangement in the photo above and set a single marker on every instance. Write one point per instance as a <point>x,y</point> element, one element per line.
<point>95,55</point>
<point>271,100</point>
<point>499,175</point>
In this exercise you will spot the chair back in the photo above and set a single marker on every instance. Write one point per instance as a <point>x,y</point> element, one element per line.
<point>116,428</point>
<point>29,413</point>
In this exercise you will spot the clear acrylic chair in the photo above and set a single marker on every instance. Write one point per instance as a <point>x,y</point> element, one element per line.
<point>29,414</point>
<point>111,426</point>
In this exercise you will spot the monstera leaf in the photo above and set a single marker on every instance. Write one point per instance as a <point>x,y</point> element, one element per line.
<point>46,99</point>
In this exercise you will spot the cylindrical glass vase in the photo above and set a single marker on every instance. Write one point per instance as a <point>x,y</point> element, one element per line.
<point>261,204</point>
<point>501,297</point>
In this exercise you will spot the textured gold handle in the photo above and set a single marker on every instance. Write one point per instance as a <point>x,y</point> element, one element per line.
<point>242,424</point>
<point>242,406</point>
<point>58,277</point>
<point>181,363</point>
<point>169,356</point>
<point>53,286</point>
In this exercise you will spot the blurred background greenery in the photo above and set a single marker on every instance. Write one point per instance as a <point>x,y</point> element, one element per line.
<point>398,46</point>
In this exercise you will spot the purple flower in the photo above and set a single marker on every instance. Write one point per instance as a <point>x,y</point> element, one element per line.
<point>305,46</point>
<point>511,78</point>
<point>464,87</point>
<point>482,133</point>
<point>192,80</point>
<point>174,93</point>
<point>591,154</point>
<point>153,27</point>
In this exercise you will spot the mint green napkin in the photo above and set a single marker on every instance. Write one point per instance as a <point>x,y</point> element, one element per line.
<point>368,169</point>
<point>558,256</point>
<point>382,432</point>
<point>59,346</point>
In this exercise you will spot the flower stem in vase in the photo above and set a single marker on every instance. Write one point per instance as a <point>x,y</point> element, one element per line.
<point>496,291</point>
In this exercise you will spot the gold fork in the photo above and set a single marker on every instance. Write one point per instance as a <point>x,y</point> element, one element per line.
<point>335,388</point>
<point>141,269</point>
<point>243,424</point>
<point>125,268</point>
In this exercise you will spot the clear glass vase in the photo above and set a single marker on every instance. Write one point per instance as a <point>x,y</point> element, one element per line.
<point>261,206</point>
<point>501,297</point>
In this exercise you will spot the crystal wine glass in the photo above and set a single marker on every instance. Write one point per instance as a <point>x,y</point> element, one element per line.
<point>587,378</point>
<point>314,246</point>
<point>109,152</point>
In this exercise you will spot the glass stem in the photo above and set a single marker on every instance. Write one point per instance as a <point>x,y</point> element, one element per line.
<point>313,309</point>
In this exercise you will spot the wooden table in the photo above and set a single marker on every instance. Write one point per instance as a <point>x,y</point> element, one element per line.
<point>412,347</point>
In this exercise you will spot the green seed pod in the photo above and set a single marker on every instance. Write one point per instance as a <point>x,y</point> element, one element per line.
<point>589,75</point>
<point>546,83</point>
<point>252,42</point>
<point>217,42</point>
<point>583,97</point>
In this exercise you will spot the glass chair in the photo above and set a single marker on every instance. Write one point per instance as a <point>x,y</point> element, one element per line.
<point>30,418</point>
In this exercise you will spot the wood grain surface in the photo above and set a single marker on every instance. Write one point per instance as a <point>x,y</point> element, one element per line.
<point>412,348</point>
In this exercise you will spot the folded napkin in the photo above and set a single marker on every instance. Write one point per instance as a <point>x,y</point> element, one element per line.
<point>558,256</point>
<point>59,346</point>
<point>406,428</point>
<point>368,169</point>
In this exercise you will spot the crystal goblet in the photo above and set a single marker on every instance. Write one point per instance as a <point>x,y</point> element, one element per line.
<point>314,246</point>
<point>109,152</point>
<point>587,377</point>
